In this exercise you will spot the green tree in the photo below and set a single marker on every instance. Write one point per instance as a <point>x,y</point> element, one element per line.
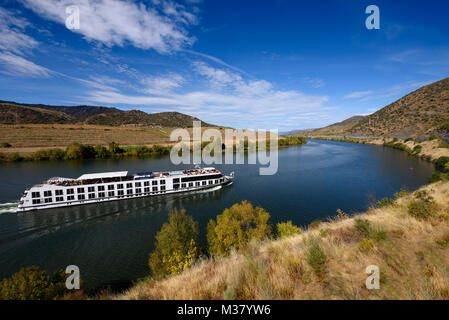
<point>101,152</point>
<point>287,229</point>
<point>236,226</point>
<point>114,148</point>
<point>28,284</point>
<point>176,245</point>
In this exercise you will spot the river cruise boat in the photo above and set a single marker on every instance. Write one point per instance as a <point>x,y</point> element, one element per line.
<point>101,187</point>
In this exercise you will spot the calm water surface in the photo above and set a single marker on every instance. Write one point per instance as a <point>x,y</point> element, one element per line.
<point>110,242</point>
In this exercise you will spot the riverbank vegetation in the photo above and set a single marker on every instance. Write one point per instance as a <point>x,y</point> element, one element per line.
<point>406,238</point>
<point>79,151</point>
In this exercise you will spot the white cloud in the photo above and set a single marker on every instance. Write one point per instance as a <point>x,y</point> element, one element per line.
<point>16,65</point>
<point>115,22</point>
<point>231,101</point>
<point>357,94</point>
<point>315,82</point>
<point>162,84</point>
<point>12,36</point>
<point>217,77</point>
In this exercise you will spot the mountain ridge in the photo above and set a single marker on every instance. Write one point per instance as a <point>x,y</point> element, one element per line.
<point>20,113</point>
<point>421,113</point>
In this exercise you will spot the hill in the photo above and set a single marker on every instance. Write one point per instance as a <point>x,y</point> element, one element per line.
<point>422,113</point>
<point>17,113</point>
<point>336,128</point>
<point>140,118</point>
<point>408,240</point>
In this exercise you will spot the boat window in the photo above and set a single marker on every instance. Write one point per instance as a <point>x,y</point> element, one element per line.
<point>36,201</point>
<point>100,188</point>
<point>120,186</point>
<point>154,189</point>
<point>70,198</point>
<point>81,197</point>
<point>80,190</point>
<point>197,184</point>
<point>162,188</point>
<point>111,187</point>
<point>48,200</point>
<point>70,191</point>
<point>146,190</point>
<point>129,185</point>
<point>138,190</point>
<point>176,180</point>
<point>59,199</point>
<point>120,192</point>
<point>146,183</point>
<point>138,184</point>
<point>47,193</point>
<point>90,189</point>
<point>129,191</point>
<point>204,183</point>
<point>36,194</point>
<point>58,192</point>
<point>154,182</point>
<point>191,184</point>
<point>110,193</point>
<point>183,185</point>
<point>101,195</point>
<point>162,181</point>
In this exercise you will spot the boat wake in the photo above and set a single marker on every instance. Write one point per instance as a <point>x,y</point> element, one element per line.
<point>208,190</point>
<point>8,207</point>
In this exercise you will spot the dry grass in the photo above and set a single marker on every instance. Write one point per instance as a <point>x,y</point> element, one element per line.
<point>28,138</point>
<point>413,260</point>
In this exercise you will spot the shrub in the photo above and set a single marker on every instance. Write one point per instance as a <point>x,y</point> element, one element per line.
<point>368,231</point>
<point>236,226</point>
<point>101,152</point>
<point>77,151</point>
<point>315,224</point>
<point>287,229</point>
<point>443,144</point>
<point>433,137</point>
<point>366,244</point>
<point>229,293</point>
<point>176,245</point>
<point>440,164</point>
<point>400,194</point>
<point>421,209</point>
<point>316,257</point>
<point>385,202</point>
<point>33,284</point>
<point>13,157</point>
<point>417,149</point>
<point>5,145</point>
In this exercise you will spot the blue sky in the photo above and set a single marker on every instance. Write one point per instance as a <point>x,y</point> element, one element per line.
<point>248,64</point>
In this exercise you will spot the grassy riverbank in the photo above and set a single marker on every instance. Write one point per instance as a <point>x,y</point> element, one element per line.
<point>408,239</point>
<point>78,151</point>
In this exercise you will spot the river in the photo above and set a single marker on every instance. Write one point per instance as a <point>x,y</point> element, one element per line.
<point>110,242</point>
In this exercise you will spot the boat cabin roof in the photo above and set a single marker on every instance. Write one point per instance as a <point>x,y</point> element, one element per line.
<point>116,174</point>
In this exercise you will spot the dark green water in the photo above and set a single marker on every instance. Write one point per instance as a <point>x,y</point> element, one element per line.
<point>110,242</point>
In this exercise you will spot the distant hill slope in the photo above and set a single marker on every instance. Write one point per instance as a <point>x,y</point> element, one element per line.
<point>16,113</point>
<point>79,112</point>
<point>336,128</point>
<point>423,112</point>
<point>136,117</point>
